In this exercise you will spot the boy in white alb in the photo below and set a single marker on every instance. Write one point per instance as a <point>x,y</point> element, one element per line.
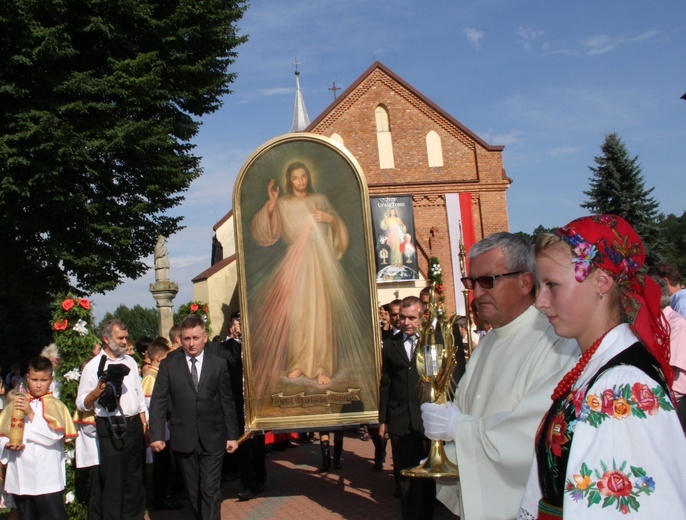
<point>36,474</point>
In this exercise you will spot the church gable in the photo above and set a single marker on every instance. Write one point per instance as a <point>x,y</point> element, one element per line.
<point>390,128</point>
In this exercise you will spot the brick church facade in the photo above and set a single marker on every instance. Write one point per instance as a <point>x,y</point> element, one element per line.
<point>406,145</point>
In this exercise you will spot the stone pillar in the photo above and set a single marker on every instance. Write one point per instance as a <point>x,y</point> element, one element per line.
<point>164,292</point>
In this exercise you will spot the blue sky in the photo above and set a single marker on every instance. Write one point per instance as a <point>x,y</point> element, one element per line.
<point>548,80</point>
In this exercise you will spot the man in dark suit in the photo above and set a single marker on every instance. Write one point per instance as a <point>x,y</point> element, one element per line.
<point>399,412</point>
<point>194,386</point>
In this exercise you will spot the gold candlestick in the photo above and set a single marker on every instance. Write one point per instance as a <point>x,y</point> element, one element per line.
<point>435,364</point>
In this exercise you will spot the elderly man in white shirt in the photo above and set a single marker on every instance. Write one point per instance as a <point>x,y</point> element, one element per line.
<point>499,402</point>
<point>120,423</point>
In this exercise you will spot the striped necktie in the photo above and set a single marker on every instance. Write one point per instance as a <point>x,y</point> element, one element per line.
<point>194,373</point>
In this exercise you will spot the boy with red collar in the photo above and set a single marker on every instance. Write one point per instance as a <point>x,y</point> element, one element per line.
<point>36,474</point>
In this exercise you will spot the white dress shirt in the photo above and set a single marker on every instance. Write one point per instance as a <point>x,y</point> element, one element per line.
<point>132,400</point>
<point>198,363</point>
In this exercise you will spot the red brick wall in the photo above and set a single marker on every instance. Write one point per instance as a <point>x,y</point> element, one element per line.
<point>468,164</point>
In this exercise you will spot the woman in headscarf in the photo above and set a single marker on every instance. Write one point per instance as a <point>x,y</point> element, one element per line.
<point>611,443</point>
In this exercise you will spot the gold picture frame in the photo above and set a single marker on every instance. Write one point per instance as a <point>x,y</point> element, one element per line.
<point>311,339</point>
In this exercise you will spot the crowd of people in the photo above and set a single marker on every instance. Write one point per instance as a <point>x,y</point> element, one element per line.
<point>569,398</point>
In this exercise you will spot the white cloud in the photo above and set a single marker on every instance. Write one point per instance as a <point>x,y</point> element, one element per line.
<point>563,150</point>
<point>528,36</point>
<point>502,139</point>
<point>602,43</point>
<point>278,91</point>
<point>474,36</point>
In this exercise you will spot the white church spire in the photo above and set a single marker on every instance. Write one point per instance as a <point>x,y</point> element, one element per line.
<point>300,118</point>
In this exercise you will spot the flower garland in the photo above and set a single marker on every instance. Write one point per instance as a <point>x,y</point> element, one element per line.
<point>195,307</point>
<point>72,325</point>
<point>436,274</point>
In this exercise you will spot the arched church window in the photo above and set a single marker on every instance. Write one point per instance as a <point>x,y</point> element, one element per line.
<point>337,137</point>
<point>383,137</point>
<point>434,149</point>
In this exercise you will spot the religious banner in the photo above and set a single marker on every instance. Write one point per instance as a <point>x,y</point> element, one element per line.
<point>394,239</point>
<point>311,345</point>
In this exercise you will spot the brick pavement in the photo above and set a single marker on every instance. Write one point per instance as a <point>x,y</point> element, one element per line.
<point>296,490</point>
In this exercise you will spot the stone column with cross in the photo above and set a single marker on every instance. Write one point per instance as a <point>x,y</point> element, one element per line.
<point>163,290</point>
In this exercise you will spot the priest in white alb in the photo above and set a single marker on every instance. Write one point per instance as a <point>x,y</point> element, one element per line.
<point>489,427</point>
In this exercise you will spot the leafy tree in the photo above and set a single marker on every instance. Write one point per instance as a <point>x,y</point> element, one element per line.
<point>617,186</point>
<point>139,321</point>
<point>98,106</point>
<point>26,329</point>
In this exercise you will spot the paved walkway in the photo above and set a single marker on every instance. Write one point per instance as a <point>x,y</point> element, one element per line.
<point>295,490</point>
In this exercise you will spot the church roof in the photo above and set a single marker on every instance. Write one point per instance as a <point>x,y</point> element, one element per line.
<point>222,220</point>
<point>394,77</point>
<point>214,269</point>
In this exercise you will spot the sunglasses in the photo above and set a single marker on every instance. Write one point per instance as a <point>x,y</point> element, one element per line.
<point>485,282</point>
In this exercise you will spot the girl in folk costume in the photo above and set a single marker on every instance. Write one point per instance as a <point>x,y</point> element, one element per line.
<point>611,443</point>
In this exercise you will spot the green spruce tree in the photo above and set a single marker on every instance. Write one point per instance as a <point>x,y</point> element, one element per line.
<point>617,186</point>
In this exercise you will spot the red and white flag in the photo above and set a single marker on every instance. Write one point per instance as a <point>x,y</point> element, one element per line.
<point>460,225</point>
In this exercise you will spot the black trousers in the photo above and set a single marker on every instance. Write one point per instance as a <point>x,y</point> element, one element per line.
<point>95,492</point>
<point>162,474</point>
<point>417,495</point>
<point>41,507</point>
<point>253,468</point>
<point>202,474</point>
<point>121,469</point>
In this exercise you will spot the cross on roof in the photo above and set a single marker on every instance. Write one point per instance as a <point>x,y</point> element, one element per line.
<point>334,88</point>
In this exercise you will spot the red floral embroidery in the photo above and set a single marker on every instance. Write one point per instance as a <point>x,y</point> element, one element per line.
<point>578,400</point>
<point>645,398</point>
<point>614,483</point>
<point>556,434</point>
<point>608,399</point>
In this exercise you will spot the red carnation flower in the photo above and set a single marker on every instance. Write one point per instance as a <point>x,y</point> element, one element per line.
<point>67,305</point>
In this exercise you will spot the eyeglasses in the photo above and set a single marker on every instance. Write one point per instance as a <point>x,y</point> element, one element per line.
<point>485,282</point>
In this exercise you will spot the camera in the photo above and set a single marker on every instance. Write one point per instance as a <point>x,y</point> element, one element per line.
<point>114,377</point>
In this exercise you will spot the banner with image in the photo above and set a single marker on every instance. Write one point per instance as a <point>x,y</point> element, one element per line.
<point>394,239</point>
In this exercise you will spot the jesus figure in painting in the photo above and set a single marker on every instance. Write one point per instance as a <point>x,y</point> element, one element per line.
<point>298,306</point>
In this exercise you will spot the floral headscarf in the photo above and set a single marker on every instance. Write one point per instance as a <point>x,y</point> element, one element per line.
<point>608,242</point>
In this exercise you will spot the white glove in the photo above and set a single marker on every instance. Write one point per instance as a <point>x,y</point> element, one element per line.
<point>440,420</point>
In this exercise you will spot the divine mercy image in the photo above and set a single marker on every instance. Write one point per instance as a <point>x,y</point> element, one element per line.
<point>308,333</point>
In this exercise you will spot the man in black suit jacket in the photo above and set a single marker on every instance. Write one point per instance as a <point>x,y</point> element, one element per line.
<point>194,386</point>
<point>401,395</point>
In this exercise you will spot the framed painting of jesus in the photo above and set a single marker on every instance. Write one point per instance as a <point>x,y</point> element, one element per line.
<point>311,343</point>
